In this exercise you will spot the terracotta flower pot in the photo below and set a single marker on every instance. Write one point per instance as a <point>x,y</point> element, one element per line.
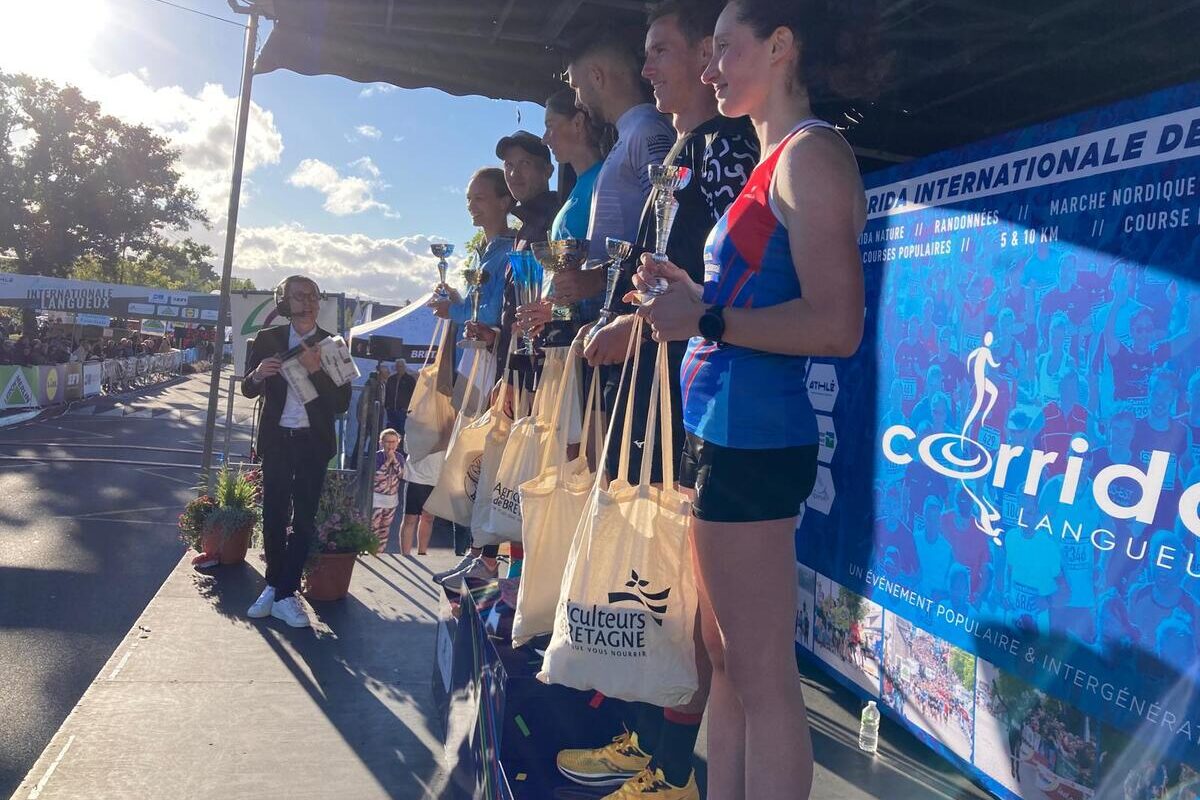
<point>229,549</point>
<point>235,545</point>
<point>330,577</point>
<point>210,543</point>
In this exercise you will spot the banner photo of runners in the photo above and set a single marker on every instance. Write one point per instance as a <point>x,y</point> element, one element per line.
<point>1022,585</point>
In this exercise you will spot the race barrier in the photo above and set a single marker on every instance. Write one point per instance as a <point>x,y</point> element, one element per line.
<point>1001,545</point>
<point>51,384</point>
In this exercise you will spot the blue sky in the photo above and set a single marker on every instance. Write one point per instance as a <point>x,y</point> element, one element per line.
<point>345,181</point>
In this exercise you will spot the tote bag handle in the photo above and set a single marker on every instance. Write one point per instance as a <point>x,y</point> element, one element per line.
<point>463,414</point>
<point>660,414</point>
<point>630,370</point>
<point>439,331</point>
<point>512,346</point>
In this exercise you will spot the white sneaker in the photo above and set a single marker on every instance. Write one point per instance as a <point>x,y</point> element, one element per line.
<point>477,569</point>
<point>262,606</point>
<point>291,611</point>
<point>466,562</point>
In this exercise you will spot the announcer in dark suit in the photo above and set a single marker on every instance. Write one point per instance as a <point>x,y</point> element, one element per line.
<point>296,442</point>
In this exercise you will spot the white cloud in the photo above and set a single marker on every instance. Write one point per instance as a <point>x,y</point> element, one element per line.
<point>368,132</point>
<point>344,195</point>
<point>200,125</point>
<point>382,269</point>
<point>377,88</point>
<point>366,166</point>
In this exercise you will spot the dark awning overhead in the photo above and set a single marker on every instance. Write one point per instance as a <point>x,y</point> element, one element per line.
<point>505,49</point>
<point>965,69</point>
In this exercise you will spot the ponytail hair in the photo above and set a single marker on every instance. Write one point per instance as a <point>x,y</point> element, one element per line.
<point>841,57</point>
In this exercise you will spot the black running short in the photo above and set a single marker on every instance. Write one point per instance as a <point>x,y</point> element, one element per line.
<point>735,485</point>
<point>415,495</point>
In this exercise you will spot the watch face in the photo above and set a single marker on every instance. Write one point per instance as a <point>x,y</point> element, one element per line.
<point>711,326</point>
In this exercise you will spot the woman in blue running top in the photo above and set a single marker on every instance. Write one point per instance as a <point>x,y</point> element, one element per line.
<point>783,281</point>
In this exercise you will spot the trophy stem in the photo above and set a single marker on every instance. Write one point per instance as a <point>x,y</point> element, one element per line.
<point>666,207</point>
<point>529,294</point>
<point>470,342</point>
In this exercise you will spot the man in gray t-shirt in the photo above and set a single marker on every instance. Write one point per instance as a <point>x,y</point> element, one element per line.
<point>606,76</point>
<point>644,137</point>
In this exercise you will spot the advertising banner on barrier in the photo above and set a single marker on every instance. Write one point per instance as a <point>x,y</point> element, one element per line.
<point>18,387</point>
<point>93,373</point>
<point>1001,542</point>
<point>51,384</point>
<point>72,381</point>
<point>250,312</point>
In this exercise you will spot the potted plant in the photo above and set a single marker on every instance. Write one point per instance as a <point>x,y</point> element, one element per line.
<point>343,534</point>
<point>220,525</point>
<point>191,530</point>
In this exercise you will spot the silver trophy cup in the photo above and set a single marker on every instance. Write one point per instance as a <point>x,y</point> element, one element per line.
<point>618,250</point>
<point>442,251</point>
<point>475,278</point>
<point>561,255</point>
<point>666,180</point>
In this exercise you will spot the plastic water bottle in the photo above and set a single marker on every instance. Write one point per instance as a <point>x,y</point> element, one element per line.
<point>868,728</point>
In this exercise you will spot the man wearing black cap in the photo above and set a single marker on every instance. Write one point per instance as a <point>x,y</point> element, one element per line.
<point>527,171</point>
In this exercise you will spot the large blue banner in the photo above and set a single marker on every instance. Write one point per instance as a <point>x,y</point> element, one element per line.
<point>1002,540</point>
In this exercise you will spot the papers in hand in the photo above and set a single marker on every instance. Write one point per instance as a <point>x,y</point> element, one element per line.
<point>335,362</point>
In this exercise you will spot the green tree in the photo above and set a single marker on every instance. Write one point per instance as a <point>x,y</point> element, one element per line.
<point>475,246</point>
<point>963,665</point>
<point>75,182</point>
<point>182,265</point>
<point>1017,697</point>
<point>852,602</point>
<point>188,263</point>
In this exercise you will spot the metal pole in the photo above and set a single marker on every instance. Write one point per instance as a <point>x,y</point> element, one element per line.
<point>235,194</point>
<point>368,434</point>
<point>229,417</point>
<point>367,459</point>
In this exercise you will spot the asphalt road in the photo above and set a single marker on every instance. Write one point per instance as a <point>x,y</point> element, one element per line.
<point>87,535</point>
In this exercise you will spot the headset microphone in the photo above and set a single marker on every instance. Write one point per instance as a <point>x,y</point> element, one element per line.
<point>283,304</point>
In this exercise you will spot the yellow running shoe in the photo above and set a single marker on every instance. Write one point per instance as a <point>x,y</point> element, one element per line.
<point>611,765</point>
<point>652,783</point>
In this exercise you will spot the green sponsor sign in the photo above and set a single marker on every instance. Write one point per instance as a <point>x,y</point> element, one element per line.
<point>18,389</point>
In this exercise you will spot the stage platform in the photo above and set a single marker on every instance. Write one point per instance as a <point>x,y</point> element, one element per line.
<point>200,702</point>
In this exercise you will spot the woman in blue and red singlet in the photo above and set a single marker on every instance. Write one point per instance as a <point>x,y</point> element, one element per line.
<point>783,282</point>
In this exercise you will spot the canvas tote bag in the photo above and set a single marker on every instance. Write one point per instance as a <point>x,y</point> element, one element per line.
<point>552,503</point>
<point>493,451</point>
<point>626,613</point>
<point>553,368</point>
<point>430,412</point>
<point>453,497</point>
<point>529,441</point>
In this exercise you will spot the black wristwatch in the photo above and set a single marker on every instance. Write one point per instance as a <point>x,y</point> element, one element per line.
<point>712,323</point>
